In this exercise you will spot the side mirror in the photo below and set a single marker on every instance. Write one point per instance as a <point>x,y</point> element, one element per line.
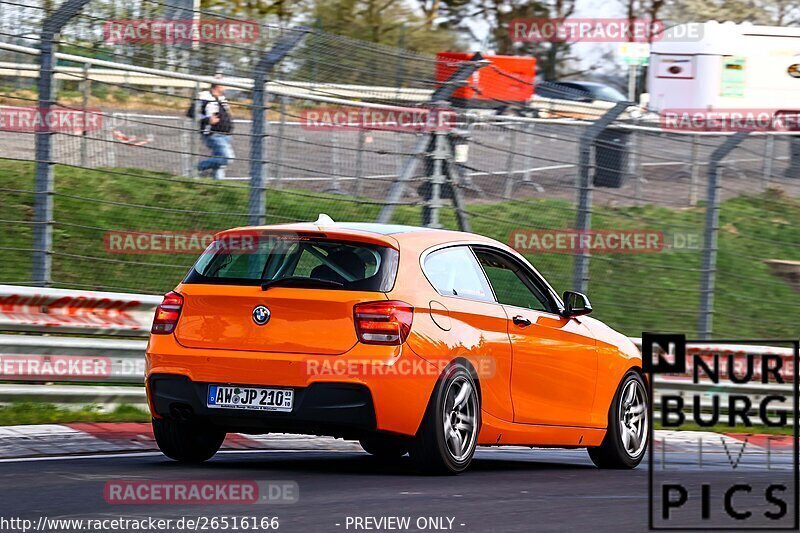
<point>576,304</point>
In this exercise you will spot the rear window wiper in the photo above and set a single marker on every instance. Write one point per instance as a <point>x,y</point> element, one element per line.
<point>299,281</point>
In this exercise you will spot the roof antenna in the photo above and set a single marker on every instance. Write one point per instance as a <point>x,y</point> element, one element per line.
<point>324,220</point>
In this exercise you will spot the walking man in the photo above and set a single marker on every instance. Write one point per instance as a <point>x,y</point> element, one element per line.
<point>216,126</point>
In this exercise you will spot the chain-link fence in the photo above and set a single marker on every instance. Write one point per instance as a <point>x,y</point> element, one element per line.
<point>663,229</point>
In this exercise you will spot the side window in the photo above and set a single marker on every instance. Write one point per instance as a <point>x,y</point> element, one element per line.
<point>455,272</point>
<point>512,286</point>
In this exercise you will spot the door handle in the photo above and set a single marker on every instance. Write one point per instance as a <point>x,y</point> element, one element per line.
<point>521,321</point>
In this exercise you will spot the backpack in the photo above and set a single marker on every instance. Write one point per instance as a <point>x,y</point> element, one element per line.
<point>225,124</point>
<point>193,104</point>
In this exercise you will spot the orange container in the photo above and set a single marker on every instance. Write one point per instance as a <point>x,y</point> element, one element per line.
<point>508,79</point>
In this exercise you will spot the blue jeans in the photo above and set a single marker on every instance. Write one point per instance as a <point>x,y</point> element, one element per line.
<point>221,153</point>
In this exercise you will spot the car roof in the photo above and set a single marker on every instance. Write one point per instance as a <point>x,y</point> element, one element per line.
<point>386,234</point>
<point>583,83</point>
<point>383,229</point>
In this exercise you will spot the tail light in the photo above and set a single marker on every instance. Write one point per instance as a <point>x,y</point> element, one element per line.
<point>167,314</point>
<point>387,322</point>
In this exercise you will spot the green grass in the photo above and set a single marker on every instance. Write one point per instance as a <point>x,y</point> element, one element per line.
<point>632,292</point>
<point>24,413</point>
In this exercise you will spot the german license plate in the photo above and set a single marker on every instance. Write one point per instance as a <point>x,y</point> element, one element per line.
<point>253,398</point>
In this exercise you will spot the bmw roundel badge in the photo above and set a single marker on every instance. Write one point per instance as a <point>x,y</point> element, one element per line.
<point>261,315</point>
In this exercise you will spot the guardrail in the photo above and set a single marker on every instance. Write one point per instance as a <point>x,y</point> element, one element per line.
<point>31,355</point>
<point>38,310</point>
<point>129,75</point>
<point>49,359</point>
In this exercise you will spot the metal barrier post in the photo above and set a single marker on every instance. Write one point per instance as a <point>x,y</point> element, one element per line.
<point>44,181</point>
<point>257,207</point>
<point>580,269</point>
<point>709,266</point>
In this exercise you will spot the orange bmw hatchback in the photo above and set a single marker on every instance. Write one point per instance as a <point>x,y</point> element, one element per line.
<point>411,340</point>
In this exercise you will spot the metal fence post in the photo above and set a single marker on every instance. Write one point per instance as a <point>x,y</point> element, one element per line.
<point>334,187</point>
<point>277,172</point>
<point>194,133</point>
<point>86,88</point>
<point>711,231</point>
<point>694,177</point>
<point>635,162</point>
<point>44,180</point>
<point>580,269</point>
<point>257,209</point>
<point>769,154</point>
<point>359,174</point>
<point>187,139</point>
<point>437,180</point>
<point>509,184</point>
<point>528,158</point>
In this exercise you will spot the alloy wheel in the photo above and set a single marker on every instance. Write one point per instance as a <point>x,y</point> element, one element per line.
<point>633,421</point>
<point>459,416</point>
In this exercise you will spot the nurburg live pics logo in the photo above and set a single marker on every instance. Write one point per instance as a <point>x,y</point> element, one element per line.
<point>690,504</point>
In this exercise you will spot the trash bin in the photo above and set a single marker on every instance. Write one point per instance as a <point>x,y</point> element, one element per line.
<point>611,158</point>
<point>793,171</point>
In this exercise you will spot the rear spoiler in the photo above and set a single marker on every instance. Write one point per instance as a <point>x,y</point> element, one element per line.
<point>311,232</point>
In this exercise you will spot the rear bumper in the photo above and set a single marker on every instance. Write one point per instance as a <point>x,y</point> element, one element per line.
<point>339,409</point>
<point>384,388</point>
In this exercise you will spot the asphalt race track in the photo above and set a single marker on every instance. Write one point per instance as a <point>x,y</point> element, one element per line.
<point>505,490</point>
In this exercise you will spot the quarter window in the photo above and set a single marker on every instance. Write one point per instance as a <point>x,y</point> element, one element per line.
<point>455,272</point>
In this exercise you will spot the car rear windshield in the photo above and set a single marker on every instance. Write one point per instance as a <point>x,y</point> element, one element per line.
<point>332,264</point>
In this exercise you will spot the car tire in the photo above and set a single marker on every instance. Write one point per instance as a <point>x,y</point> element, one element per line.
<point>625,443</point>
<point>186,442</point>
<point>431,451</point>
<point>384,446</point>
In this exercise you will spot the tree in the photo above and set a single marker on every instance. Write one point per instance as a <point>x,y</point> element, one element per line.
<point>644,9</point>
<point>555,59</point>
<point>282,11</point>
<point>390,22</point>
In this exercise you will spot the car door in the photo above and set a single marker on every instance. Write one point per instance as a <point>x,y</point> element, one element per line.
<point>477,325</point>
<point>554,359</point>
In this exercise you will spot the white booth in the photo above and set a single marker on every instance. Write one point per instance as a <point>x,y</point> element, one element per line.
<point>725,66</point>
